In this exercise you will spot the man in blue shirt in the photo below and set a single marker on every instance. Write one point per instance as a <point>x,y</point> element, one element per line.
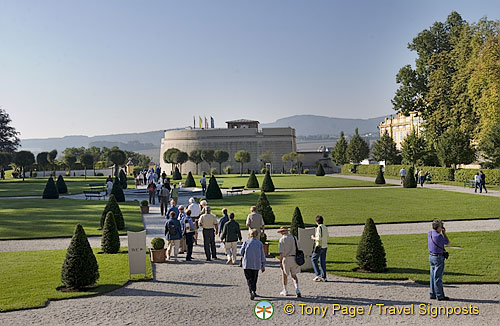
<point>172,208</point>
<point>253,259</point>
<point>173,234</point>
<point>436,240</point>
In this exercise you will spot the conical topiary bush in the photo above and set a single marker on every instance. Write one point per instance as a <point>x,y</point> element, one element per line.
<point>213,190</point>
<point>267,184</point>
<point>112,206</point>
<point>409,181</point>
<point>110,241</point>
<point>320,171</point>
<point>177,174</point>
<point>265,209</point>
<point>297,222</point>
<point>50,191</point>
<point>380,180</point>
<point>80,267</point>
<point>252,181</point>
<point>123,179</point>
<point>61,185</point>
<point>190,180</point>
<point>118,191</point>
<point>371,253</point>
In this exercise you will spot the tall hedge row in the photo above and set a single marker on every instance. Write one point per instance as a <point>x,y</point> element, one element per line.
<point>438,173</point>
<point>492,175</point>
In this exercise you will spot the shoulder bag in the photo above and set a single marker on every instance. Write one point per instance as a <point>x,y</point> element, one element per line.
<point>299,254</point>
<point>446,254</point>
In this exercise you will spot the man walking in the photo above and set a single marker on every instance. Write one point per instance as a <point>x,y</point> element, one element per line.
<point>319,253</point>
<point>208,222</point>
<point>477,183</point>
<point>483,181</point>
<point>287,249</point>
<point>175,194</point>
<point>436,240</point>
<point>255,221</point>
<point>231,233</point>
<point>182,220</point>
<point>164,197</point>
<point>173,208</point>
<point>402,173</point>
<point>203,182</point>
<point>173,235</point>
<point>189,234</point>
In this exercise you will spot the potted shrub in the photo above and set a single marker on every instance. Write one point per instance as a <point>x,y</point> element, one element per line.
<point>263,239</point>
<point>158,252</point>
<point>144,207</point>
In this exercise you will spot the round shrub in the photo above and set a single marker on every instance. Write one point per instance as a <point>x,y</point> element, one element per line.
<point>144,203</point>
<point>190,180</point>
<point>320,171</point>
<point>371,253</point>
<point>158,243</point>
<point>265,209</point>
<point>213,190</point>
<point>110,241</point>
<point>61,185</point>
<point>267,184</point>
<point>380,180</point>
<point>118,191</point>
<point>112,206</point>
<point>252,181</point>
<point>80,267</point>
<point>50,191</point>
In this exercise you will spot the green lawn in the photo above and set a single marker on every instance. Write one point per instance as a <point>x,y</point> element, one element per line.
<point>49,218</point>
<point>288,181</point>
<point>354,206</point>
<point>35,186</point>
<point>407,257</point>
<point>29,278</point>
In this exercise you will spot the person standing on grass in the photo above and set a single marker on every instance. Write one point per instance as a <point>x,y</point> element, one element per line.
<point>436,240</point>
<point>230,235</point>
<point>287,248</point>
<point>173,235</point>
<point>175,194</point>
<point>320,238</point>
<point>477,183</point>
<point>164,198</point>
<point>253,259</point>
<point>195,214</point>
<point>173,208</point>
<point>255,221</point>
<point>402,174</point>
<point>189,234</point>
<point>483,181</point>
<point>208,222</point>
<point>203,182</point>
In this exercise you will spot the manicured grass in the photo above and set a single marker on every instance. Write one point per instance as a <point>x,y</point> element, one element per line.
<point>354,206</point>
<point>290,181</point>
<point>49,218</point>
<point>29,278</point>
<point>35,186</point>
<point>407,257</point>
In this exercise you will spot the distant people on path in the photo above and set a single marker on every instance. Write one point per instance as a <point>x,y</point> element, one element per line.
<point>230,235</point>
<point>320,238</point>
<point>421,177</point>
<point>109,186</point>
<point>173,235</point>
<point>208,222</point>
<point>253,259</point>
<point>182,220</point>
<point>141,178</point>
<point>152,192</point>
<point>203,182</point>
<point>189,235</point>
<point>164,198</point>
<point>483,181</point>
<point>402,174</point>
<point>436,240</point>
<point>255,221</point>
<point>175,194</point>
<point>477,183</point>
<point>287,248</point>
<point>173,208</point>
<point>159,185</point>
<point>195,214</point>
<point>109,178</point>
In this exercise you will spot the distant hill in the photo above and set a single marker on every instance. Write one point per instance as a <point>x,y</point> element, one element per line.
<point>307,125</point>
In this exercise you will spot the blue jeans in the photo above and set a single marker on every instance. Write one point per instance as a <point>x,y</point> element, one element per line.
<point>436,281</point>
<point>322,257</point>
<point>478,185</point>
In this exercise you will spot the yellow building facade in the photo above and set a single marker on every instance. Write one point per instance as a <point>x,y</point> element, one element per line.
<point>399,126</point>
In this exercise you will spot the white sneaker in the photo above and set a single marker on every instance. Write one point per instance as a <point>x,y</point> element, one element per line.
<point>315,279</point>
<point>284,293</point>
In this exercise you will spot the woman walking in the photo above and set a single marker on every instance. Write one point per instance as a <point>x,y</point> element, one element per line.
<point>253,259</point>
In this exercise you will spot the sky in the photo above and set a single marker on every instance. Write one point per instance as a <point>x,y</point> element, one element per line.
<point>101,67</point>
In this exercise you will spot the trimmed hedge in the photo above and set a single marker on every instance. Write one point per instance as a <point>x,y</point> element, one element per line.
<point>492,175</point>
<point>437,173</point>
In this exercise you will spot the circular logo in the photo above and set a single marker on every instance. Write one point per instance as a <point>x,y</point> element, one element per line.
<point>263,310</point>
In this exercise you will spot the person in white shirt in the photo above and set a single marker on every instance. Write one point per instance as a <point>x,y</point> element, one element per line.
<point>319,253</point>
<point>402,173</point>
<point>288,248</point>
<point>477,183</point>
<point>109,187</point>
<point>195,214</point>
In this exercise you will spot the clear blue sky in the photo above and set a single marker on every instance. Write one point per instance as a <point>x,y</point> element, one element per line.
<point>98,67</point>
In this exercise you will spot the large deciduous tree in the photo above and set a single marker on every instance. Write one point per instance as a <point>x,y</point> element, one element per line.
<point>118,158</point>
<point>87,160</point>
<point>490,147</point>
<point>52,160</point>
<point>169,157</point>
<point>42,159</point>
<point>195,157</point>
<point>5,160</point>
<point>454,148</point>
<point>9,140</point>
<point>242,157</point>
<point>208,156</point>
<point>220,157</point>
<point>24,160</point>
<point>358,148</point>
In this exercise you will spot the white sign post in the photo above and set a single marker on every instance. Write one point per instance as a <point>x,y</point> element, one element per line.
<point>137,252</point>
<point>306,244</point>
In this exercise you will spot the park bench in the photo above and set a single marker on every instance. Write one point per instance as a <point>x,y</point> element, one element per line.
<point>236,190</point>
<point>220,182</point>
<point>97,186</point>
<point>470,183</point>
<point>94,194</point>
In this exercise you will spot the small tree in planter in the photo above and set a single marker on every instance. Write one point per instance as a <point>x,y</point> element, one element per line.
<point>371,253</point>
<point>123,179</point>
<point>297,222</point>
<point>267,184</point>
<point>61,185</point>
<point>213,190</point>
<point>190,181</point>
<point>265,209</point>
<point>112,206</point>
<point>158,252</point>
<point>380,180</point>
<point>118,191</point>
<point>409,181</point>
<point>144,207</point>
<point>50,191</point>
<point>252,181</point>
<point>80,268</point>
<point>110,241</point>
<point>320,171</point>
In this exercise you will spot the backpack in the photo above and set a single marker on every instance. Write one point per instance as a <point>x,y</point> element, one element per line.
<point>172,230</point>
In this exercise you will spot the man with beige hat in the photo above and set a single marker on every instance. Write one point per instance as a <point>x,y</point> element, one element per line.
<point>287,248</point>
